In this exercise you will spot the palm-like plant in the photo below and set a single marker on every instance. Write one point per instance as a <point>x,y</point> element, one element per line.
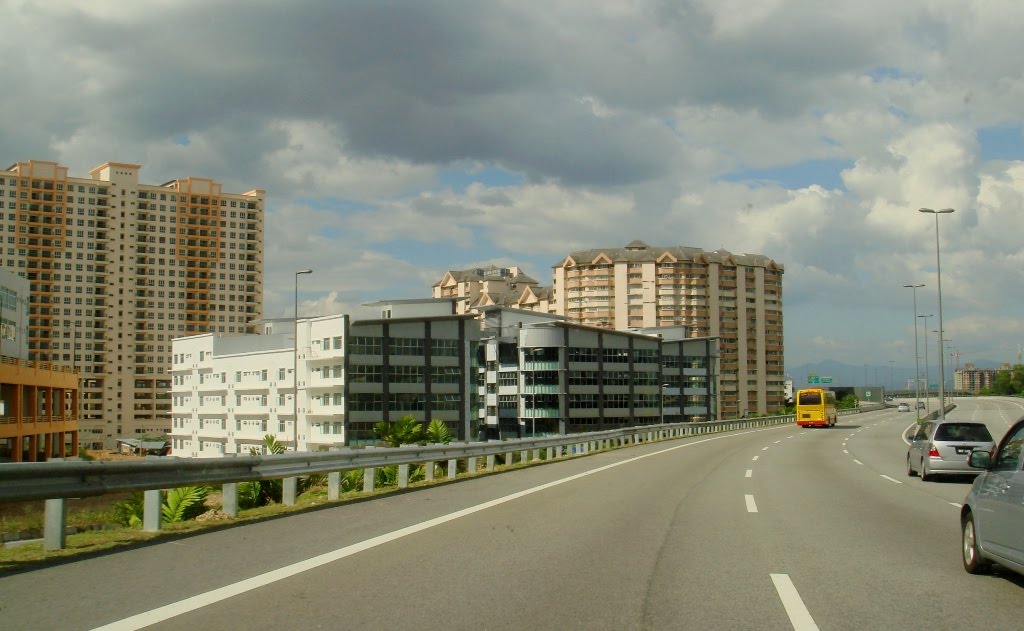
<point>405,431</point>
<point>184,503</point>
<point>438,432</point>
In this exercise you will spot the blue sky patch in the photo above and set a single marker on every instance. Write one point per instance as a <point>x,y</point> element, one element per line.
<point>1005,142</point>
<point>825,173</point>
<point>458,179</point>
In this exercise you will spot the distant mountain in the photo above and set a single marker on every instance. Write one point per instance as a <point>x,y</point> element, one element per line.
<point>892,377</point>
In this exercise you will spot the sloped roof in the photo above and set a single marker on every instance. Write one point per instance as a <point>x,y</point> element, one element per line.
<point>639,252</point>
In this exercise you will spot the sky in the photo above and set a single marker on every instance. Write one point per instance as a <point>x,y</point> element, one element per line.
<point>398,140</point>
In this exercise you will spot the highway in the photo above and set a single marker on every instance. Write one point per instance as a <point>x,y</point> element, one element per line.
<point>781,528</point>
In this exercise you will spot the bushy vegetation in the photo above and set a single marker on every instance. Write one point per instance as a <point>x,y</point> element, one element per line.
<point>1007,383</point>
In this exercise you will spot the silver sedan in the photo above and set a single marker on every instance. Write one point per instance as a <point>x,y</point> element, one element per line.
<point>942,447</point>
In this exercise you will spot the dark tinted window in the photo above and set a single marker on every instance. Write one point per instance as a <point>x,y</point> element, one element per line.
<point>970,432</point>
<point>810,398</point>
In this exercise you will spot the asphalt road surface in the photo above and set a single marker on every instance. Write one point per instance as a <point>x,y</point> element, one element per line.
<point>781,528</point>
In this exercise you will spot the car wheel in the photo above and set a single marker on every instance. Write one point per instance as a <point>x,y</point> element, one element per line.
<point>973,561</point>
<point>910,468</point>
<point>924,472</point>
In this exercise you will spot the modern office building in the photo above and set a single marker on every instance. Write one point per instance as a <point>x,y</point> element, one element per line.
<point>736,298</point>
<point>547,375</point>
<point>118,269</point>
<point>519,373</point>
<point>38,400</point>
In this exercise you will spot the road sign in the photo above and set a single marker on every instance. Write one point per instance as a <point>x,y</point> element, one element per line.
<point>826,380</point>
<point>812,379</point>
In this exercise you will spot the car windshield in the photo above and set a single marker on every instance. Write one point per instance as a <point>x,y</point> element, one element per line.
<point>972,432</point>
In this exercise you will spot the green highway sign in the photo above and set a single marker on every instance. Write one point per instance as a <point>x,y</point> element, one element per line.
<point>826,380</point>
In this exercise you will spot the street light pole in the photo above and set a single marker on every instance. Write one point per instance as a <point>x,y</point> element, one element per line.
<point>938,276</point>
<point>917,354</point>
<point>295,366</point>
<point>927,377</point>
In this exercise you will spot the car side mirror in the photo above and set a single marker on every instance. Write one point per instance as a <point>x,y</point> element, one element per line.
<point>980,459</point>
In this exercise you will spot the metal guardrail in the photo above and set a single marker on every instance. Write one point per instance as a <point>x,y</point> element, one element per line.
<point>56,480</point>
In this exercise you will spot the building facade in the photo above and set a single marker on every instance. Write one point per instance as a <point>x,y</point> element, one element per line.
<point>734,298</point>
<point>973,379</point>
<point>545,375</point>
<point>38,400</point>
<point>493,287</point>
<point>520,373</point>
<point>230,392</point>
<point>118,269</point>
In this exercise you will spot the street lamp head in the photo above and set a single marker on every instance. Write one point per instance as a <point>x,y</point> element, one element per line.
<point>944,211</point>
<point>915,286</point>
<point>304,271</point>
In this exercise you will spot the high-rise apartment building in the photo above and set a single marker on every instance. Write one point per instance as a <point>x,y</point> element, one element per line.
<point>118,269</point>
<point>736,298</point>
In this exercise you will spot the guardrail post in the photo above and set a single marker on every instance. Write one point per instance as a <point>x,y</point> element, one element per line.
<point>489,462</point>
<point>428,473</point>
<point>289,490</point>
<point>229,503</point>
<point>524,457</point>
<point>53,525</point>
<point>403,476</point>
<point>536,454</point>
<point>471,465</point>
<point>453,469</point>
<point>369,474</point>
<point>151,510</point>
<point>551,453</point>
<point>333,485</point>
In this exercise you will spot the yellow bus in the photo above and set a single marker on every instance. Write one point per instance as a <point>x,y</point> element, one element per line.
<point>816,408</point>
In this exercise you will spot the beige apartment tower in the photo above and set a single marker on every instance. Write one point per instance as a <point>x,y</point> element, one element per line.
<point>735,298</point>
<point>117,270</point>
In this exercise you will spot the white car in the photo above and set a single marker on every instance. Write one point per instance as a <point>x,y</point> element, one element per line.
<point>903,407</point>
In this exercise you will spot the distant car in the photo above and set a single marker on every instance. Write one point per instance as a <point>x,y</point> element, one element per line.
<point>920,405</point>
<point>942,447</point>
<point>903,407</point>
<point>992,517</point>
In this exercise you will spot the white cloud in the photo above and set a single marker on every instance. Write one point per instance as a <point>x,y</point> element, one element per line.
<point>382,133</point>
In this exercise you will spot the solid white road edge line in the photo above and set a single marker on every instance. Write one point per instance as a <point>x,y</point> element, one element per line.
<point>198,601</point>
<point>799,617</point>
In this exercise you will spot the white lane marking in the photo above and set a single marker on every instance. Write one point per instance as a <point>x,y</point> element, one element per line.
<point>755,458</point>
<point>777,442</point>
<point>764,449</point>
<point>845,451</point>
<point>751,506</point>
<point>892,479</point>
<point>198,601</point>
<point>905,430</point>
<point>955,504</point>
<point>799,617</point>
<point>750,473</point>
<point>858,462</point>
